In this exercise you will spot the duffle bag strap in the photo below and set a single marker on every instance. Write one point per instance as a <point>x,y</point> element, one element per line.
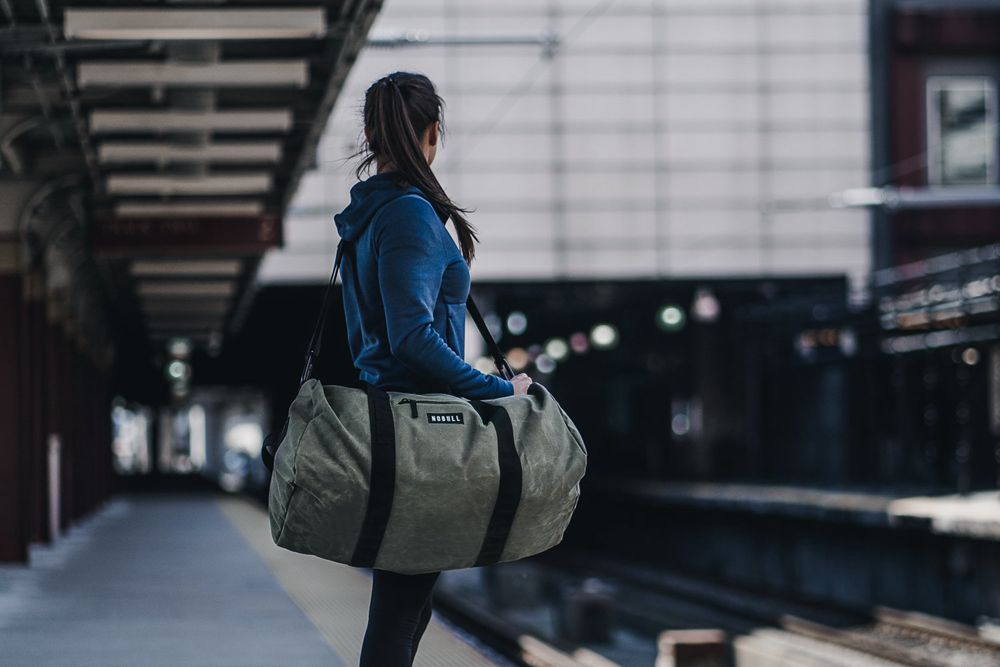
<point>499,360</point>
<point>272,441</point>
<point>316,341</point>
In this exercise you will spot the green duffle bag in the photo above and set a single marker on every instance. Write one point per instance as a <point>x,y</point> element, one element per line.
<point>422,482</point>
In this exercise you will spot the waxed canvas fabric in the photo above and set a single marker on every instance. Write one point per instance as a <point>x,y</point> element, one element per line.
<point>446,478</point>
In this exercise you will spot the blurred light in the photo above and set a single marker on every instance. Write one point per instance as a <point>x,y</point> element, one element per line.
<point>578,342</point>
<point>705,307</point>
<point>534,351</point>
<point>680,424</point>
<point>670,318</point>
<point>557,349</point>
<point>179,348</point>
<point>545,363</point>
<point>484,364</point>
<point>848,342</point>
<point>177,370</point>
<point>517,358</point>
<point>970,356</point>
<point>517,323</point>
<point>604,336</point>
<point>197,443</point>
<point>245,437</point>
<point>805,344</point>
<point>231,482</point>
<point>860,197</point>
<point>234,461</point>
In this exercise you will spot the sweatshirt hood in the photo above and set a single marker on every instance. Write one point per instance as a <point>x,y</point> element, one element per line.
<point>367,197</point>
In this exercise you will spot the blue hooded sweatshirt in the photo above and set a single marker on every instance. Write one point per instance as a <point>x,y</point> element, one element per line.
<point>405,283</point>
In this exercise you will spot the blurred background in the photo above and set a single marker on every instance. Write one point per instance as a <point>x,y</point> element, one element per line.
<point>752,246</point>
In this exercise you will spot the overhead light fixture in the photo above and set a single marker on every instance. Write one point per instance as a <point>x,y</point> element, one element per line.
<point>186,267</point>
<point>193,24</point>
<point>159,122</point>
<point>133,73</point>
<point>182,209</point>
<point>166,184</point>
<point>191,288</point>
<point>112,152</point>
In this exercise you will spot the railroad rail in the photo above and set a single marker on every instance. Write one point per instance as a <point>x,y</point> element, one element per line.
<point>886,635</point>
<point>514,643</point>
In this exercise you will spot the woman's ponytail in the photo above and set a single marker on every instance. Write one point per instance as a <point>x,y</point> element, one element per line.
<point>398,109</point>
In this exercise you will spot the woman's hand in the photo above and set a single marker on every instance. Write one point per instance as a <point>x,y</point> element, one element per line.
<point>521,383</point>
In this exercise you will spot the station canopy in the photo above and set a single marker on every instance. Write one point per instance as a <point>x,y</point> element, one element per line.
<point>184,127</point>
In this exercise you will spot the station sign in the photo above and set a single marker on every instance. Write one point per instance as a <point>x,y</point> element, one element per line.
<point>114,236</point>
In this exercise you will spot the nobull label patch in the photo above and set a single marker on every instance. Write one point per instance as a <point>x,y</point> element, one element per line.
<point>445,418</point>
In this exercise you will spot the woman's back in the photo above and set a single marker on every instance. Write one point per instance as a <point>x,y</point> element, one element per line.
<point>405,287</point>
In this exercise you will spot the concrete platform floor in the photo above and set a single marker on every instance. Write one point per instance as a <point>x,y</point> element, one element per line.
<point>190,580</point>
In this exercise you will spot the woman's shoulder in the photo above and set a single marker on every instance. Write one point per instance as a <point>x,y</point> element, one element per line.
<point>410,202</point>
<point>406,215</point>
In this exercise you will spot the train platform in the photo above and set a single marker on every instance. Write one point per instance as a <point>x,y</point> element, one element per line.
<point>190,580</point>
<point>974,515</point>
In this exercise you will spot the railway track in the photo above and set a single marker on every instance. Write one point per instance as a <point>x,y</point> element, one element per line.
<point>887,636</point>
<point>766,630</point>
<point>514,643</point>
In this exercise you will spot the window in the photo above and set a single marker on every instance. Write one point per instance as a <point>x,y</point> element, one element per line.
<point>962,130</point>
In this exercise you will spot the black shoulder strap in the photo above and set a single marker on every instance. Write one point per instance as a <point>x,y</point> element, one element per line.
<point>316,341</point>
<point>499,360</point>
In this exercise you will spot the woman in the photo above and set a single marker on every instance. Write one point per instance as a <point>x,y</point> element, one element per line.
<point>405,286</point>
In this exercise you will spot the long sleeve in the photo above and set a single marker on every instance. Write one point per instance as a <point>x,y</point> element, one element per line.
<point>411,266</point>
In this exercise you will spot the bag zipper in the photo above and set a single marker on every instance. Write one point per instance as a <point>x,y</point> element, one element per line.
<point>413,404</point>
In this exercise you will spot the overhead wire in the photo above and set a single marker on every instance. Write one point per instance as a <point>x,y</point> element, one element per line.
<point>523,85</point>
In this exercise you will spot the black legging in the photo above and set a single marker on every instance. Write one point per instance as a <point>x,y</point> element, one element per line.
<point>397,617</point>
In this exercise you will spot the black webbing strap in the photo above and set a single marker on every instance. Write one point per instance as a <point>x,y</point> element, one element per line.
<point>498,359</point>
<point>509,487</point>
<point>381,481</point>
<point>316,340</point>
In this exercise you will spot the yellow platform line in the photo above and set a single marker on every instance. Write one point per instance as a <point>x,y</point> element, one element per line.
<point>335,597</point>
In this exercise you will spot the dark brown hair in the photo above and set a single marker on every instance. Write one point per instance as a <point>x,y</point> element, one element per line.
<point>398,109</point>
